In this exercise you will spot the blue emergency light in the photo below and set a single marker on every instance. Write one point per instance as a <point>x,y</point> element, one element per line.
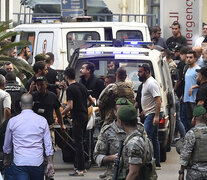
<point>122,42</point>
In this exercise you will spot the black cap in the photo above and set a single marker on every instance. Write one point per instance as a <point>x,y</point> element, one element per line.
<point>203,71</point>
<point>41,78</point>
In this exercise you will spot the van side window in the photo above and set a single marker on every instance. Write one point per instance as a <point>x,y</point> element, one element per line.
<point>129,35</point>
<point>28,36</point>
<point>80,36</point>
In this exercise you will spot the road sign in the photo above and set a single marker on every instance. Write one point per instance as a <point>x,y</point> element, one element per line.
<point>71,4</point>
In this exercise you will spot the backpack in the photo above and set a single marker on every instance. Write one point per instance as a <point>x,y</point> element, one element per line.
<point>148,170</point>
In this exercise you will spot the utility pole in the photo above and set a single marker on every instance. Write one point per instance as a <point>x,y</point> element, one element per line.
<point>85,7</point>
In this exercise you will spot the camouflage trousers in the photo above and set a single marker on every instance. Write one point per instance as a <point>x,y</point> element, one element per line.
<point>196,175</point>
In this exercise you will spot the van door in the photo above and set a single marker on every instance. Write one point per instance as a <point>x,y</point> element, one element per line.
<point>73,38</point>
<point>44,42</point>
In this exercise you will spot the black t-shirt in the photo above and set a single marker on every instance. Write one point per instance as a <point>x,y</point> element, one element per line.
<point>181,78</point>
<point>15,90</point>
<point>181,40</point>
<point>51,77</point>
<point>45,105</point>
<point>202,94</point>
<point>94,85</point>
<point>138,97</point>
<point>79,95</point>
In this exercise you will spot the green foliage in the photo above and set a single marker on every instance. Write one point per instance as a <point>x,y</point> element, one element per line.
<point>23,70</point>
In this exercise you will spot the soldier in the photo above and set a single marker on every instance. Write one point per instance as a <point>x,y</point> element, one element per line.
<point>111,93</point>
<point>193,155</point>
<point>106,148</point>
<point>137,157</point>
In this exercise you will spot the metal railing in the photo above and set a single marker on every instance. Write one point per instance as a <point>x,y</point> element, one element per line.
<point>28,18</point>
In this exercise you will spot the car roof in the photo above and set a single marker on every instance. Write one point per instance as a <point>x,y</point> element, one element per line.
<point>80,24</point>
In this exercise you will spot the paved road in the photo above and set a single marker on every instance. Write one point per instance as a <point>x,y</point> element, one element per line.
<point>169,169</point>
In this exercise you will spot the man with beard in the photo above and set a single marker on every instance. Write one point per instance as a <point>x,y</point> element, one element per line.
<point>201,97</point>
<point>151,105</point>
<point>155,37</point>
<point>90,81</point>
<point>24,54</point>
<point>190,89</point>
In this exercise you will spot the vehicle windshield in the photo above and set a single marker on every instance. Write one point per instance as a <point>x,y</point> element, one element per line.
<point>134,35</point>
<point>106,66</point>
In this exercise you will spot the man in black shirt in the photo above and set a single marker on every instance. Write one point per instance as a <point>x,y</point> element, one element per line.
<point>177,37</point>
<point>77,97</point>
<point>45,102</point>
<point>15,90</point>
<point>201,96</point>
<point>90,81</point>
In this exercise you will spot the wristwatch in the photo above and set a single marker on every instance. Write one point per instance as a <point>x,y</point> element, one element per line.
<point>181,172</point>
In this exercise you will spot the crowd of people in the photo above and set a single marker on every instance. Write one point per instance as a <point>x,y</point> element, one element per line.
<point>27,113</point>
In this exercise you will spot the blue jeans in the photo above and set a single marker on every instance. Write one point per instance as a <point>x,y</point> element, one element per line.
<point>152,132</point>
<point>14,172</point>
<point>183,116</point>
<point>179,124</point>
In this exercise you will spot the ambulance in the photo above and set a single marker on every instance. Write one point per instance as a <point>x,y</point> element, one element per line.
<point>63,38</point>
<point>131,55</point>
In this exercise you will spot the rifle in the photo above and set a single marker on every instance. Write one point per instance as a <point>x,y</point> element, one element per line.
<point>118,160</point>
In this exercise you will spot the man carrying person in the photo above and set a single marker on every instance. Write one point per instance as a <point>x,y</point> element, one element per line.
<point>27,136</point>
<point>111,93</point>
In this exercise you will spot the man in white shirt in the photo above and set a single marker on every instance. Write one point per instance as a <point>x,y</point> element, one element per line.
<point>5,101</point>
<point>27,137</point>
<point>151,105</point>
<point>199,41</point>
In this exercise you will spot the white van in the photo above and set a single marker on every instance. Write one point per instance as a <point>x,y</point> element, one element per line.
<point>63,38</point>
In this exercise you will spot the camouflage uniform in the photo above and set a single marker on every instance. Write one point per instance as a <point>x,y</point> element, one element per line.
<point>108,144</point>
<point>195,170</point>
<point>109,96</point>
<point>136,151</point>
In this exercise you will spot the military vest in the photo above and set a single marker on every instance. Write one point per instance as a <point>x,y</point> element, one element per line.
<point>147,171</point>
<point>124,90</point>
<point>200,149</point>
